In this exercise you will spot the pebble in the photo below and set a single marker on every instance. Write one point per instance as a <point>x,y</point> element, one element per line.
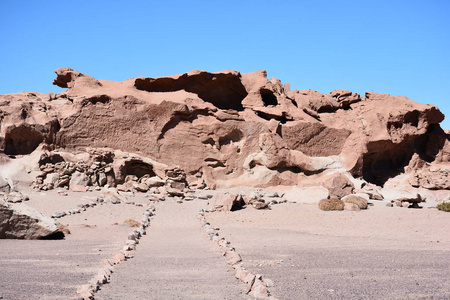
<point>58,215</point>
<point>272,195</point>
<point>268,282</point>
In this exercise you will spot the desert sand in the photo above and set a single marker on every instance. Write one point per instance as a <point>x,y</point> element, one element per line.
<point>380,253</point>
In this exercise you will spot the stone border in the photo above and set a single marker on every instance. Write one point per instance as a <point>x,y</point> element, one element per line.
<point>87,291</point>
<point>85,205</point>
<point>257,285</point>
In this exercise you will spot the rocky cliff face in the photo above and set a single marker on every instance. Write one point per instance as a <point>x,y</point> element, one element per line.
<point>229,128</point>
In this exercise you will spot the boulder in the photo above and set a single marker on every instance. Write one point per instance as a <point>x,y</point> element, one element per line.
<point>333,203</point>
<point>261,204</point>
<point>19,221</point>
<point>371,190</point>
<point>154,181</point>
<point>79,178</point>
<point>52,178</point>
<point>401,195</point>
<point>102,179</point>
<point>351,206</point>
<point>140,187</point>
<point>339,185</point>
<point>223,202</point>
<point>358,201</point>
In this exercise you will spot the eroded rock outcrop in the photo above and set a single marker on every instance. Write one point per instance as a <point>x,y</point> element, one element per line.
<point>226,129</point>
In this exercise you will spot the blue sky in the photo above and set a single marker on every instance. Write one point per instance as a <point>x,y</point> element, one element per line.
<point>396,47</point>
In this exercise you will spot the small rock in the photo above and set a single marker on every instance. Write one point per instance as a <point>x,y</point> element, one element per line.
<point>260,205</point>
<point>249,278</point>
<point>351,207</point>
<point>272,195</point>
<point>141,187</point>
<point>268,282</point>
<point>58,214</point>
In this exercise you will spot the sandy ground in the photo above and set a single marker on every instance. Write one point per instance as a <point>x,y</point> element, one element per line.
<point>54,269</point>
<point>381,253</point>
<point>175,261</point>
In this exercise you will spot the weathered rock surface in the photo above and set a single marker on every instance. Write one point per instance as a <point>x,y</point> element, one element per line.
<point>224,129</point>
<point>223,202</point>
<point>18,221</point>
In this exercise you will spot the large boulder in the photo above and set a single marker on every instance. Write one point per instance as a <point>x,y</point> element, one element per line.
<point>19,221</point>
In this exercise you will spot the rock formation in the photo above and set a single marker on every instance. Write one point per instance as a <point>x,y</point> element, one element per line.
<point>20,221</point>
<point>223,129</point>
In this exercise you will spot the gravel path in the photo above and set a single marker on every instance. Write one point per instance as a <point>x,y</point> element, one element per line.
<point>174,261</point>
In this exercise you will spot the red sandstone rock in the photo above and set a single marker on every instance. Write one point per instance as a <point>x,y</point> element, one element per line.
<point>222,202</point>
<point>19,221</point>
<point>227,129</point>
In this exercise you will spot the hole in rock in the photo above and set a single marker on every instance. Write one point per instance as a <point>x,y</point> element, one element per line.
<point>385,160</point>
<point>269,117</point>
<point>293,169</point>
<point>411,118</point>
<point>137,168</point>
<point>22,140</point>
<point>52,159</point>
<point>234,136</point>
<point>214,163</point>
<point>252,164</point>
<point>327,109</point>
<point>268,97</point>
<point>209,141</point>
<point>97,99</point>
<point>225,91</point>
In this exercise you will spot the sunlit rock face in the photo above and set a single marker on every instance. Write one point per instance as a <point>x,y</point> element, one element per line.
<point>229,128</point>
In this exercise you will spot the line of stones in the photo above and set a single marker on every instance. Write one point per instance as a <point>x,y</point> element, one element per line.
<point>87,291</point>
<point>90,203</point>
<point>257,285</point>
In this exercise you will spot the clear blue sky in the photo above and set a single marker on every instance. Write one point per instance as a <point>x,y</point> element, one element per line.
<point>396,47</point>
